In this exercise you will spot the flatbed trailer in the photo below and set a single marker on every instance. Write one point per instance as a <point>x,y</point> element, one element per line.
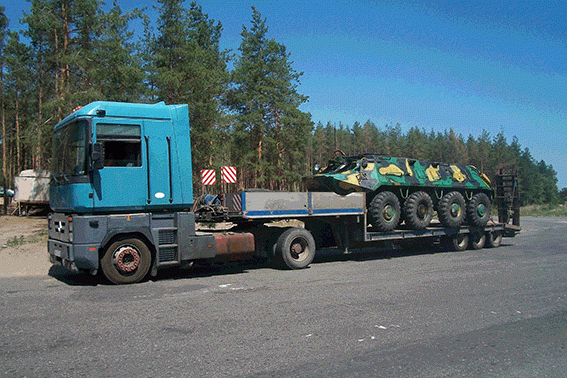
<point>122,194</point>
<point>82,242</point>
<point>346,218</point>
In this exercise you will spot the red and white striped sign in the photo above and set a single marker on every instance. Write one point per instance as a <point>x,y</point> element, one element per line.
<point>208,176</point>
<point>236,201</point>
<point>228,175</point>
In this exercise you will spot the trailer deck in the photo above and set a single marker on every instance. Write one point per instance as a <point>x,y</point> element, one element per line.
<point>257,205</point>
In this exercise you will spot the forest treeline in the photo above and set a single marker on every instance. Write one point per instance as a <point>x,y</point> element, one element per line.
<point>71,52</point>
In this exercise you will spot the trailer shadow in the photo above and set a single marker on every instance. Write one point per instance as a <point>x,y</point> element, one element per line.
<point>323,256</point>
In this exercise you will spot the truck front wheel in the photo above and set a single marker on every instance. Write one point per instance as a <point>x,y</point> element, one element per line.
<point>295,248</point>
<point>126,261</point>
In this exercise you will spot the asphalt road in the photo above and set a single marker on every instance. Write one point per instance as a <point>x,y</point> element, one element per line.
<point>490,313</point>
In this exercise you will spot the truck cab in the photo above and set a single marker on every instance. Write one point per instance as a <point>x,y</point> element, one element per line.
<point>117,156</point>
<point>121,189</point>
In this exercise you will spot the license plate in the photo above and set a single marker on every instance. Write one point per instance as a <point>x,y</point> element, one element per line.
<point>57,252</point>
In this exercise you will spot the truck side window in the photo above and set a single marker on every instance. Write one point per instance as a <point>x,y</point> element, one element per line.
<point>122,144</point>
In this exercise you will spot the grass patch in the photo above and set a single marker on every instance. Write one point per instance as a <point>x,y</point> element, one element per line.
<point>544,210</point>
<point>16,241</point>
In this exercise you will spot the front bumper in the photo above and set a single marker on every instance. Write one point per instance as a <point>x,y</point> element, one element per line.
<point>73,257</point>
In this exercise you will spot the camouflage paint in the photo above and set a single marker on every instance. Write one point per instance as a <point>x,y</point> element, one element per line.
<point>369,173</point>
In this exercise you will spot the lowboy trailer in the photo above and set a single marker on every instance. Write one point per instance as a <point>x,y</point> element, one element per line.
<point>123,204</point>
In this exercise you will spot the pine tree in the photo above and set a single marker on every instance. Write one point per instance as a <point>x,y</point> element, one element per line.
<point>208,80</point>
<point>271,133</point>
<point>19,84</point>
<point>118,70</point>
<point>3,27</point>
<point>187,66</point>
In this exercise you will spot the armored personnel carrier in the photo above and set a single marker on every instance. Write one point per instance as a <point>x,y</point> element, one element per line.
<point>402,189</point>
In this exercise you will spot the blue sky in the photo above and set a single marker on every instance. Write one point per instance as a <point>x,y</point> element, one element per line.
<point>469,65</point>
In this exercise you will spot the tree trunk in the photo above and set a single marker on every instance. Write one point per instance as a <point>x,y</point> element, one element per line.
<point>4,171</point>
<point>38,153</point>
<point>18,147</point>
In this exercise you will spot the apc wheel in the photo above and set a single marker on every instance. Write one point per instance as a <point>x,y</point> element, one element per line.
<point>452,209</point>
<point>295,248</point>
<point>418,210</point>
<point>126,261</point>
<point>384,211</point>
<point>477,240</point>
<point>458,242</point>
<point>493,239</point>
<point>478,210</point>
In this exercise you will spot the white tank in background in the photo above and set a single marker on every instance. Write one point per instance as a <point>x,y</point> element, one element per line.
<point>32,187</point>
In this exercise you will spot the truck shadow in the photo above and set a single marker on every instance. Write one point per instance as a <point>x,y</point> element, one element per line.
<point>74,279</point>
<point>323,256</point>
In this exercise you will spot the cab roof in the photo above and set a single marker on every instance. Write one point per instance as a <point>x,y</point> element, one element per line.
<point>122,110</point>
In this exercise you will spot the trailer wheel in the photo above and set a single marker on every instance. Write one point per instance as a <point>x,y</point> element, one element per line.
<point>457,242</point>
<point>384,211</point>
<point>126,261</point>
<point>452,209</point>
<point>493,239</point>
<point>478,210</point>
<point>477,240</point>
<point>418,210</point>
<point>295,248</point>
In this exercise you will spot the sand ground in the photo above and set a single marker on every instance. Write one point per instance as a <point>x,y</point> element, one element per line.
<point>23,246</point>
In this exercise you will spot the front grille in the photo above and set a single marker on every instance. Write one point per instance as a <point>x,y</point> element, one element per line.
<point>167,237</point>
<point>167,254</point>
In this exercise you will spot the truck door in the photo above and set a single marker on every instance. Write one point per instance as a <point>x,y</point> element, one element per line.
<point>122,182</point>
<point>160,177</point>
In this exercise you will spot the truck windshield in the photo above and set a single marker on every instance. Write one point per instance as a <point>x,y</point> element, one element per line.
<point>70,150</point>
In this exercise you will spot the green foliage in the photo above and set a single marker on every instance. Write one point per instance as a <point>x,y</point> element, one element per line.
<point>271,133</point>
<point>16,241</point>
<point>563,196</point>
<point>547,210</point>
<point>186,65</point>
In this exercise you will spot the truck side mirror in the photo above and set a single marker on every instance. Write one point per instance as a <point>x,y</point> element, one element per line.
<point>97,156</point>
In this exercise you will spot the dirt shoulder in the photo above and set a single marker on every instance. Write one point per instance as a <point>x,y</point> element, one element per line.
<point>23,246</point>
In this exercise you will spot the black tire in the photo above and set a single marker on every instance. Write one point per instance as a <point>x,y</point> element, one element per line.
<point>493,239</point>
<point>451,210</point>
<point>126,261</point>
<point>478,240</point>
<point>295,248</point>
<point>384,211</point>
<point>457,242</point>
<point>418,210</point>
<point>478,210</point>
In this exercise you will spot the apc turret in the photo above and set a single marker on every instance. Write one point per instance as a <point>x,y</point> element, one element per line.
<point>409,190</point>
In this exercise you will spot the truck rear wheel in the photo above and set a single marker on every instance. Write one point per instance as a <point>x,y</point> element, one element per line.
<point>452,209</point>
<point>478,210</point>
<point>457,242</point>
<point>477,240</point>
<point>493,239</point>
<point>418,210</point>
<point>126,261</point>
<point>384,211</point>
<point>295,248</point>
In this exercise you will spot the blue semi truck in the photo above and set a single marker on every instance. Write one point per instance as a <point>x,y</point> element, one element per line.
<point>122,199</point>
